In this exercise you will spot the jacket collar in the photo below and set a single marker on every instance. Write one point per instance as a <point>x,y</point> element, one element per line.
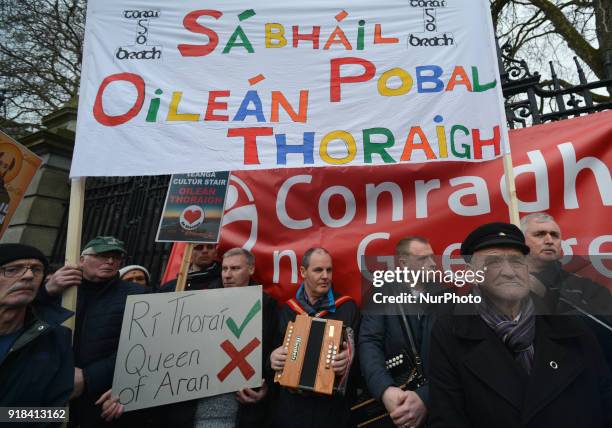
<point>101,287</point>
<point>51,313</point>
<point>39,320</point>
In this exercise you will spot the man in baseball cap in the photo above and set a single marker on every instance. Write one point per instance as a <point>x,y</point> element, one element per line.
<point>31,334</point>
<point>104,244</point>
<point>101,301</point>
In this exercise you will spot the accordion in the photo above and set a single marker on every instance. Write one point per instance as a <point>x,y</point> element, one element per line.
<point>369,412</point>
<point>311,344</point>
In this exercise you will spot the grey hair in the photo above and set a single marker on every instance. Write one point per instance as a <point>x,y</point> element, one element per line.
<point>309,252</point>
<point>539,217</point>
<point>250,257</point>
<point>405,242</point>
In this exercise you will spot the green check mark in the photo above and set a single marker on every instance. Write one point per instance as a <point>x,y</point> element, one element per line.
<point>231,324</point>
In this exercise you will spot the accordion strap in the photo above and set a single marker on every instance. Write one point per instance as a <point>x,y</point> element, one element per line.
<point>407,330</point>
<point>298,309</point>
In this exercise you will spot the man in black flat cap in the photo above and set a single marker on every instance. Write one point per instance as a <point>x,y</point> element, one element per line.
<point>498,364</point>
<point>36,366</point>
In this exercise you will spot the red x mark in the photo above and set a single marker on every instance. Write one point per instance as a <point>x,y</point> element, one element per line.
<point>238,359</point>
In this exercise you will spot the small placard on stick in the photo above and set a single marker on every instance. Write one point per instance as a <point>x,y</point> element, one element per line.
<point>193,210</point>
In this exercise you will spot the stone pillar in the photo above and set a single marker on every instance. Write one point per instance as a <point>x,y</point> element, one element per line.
<point>38,218</point>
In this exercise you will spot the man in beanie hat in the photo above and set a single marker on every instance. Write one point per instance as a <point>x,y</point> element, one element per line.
<point>36,365</point>
<point>498,364</point>
<point>99,314</point>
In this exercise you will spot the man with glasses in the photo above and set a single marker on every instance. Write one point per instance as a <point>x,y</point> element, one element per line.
<point>36,367</point>
<point>500,364</point>
<point>204,271</point>
<point>99,314</point>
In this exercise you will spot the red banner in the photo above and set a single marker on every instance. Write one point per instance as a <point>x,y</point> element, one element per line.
<point>562,168</point>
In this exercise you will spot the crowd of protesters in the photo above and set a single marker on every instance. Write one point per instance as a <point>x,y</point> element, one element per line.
<point>535,352</point>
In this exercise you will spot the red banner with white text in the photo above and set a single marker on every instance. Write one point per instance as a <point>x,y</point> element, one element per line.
<point>562,168</point>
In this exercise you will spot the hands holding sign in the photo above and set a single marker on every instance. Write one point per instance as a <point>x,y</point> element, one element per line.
<point>111,408</point>
<point>252,396</point>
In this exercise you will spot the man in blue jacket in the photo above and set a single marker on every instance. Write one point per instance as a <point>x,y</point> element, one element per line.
<point>99,314</point>
<point>36,366</point>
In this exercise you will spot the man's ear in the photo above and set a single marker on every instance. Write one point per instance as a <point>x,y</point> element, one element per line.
<point>251,270</point>
<point>471,266</point>
<point>302,271</point>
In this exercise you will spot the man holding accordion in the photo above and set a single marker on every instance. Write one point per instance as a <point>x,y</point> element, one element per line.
<point>301,407</point>
<point>393,345</point>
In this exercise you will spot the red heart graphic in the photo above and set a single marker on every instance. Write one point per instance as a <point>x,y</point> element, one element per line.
<point>192,216</point>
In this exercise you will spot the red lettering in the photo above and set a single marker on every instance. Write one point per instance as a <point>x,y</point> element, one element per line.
<point>213,105</point>
<point>336,80</point>
<point>478,143</point>
<point>98,109</point>
<point>313,37</point>
<point>190,22</point>
<point>250,141</point>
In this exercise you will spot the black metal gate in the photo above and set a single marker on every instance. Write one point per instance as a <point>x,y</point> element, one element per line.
<point>128,208</point>
<point>529,101</point>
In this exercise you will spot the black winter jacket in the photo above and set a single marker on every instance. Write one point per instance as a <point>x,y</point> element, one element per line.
<point>99,315</point>
<point>475,381</point>
<point>39,369</point>
<point>306,410</point>
<point>206,279</point>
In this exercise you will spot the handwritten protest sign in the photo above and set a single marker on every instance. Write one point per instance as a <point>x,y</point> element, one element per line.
<point>172,87</point>
<point>181,346</point>
<point>194,207</point>
<point>17,168</point>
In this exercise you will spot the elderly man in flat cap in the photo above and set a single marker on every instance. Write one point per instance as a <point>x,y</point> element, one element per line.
<point>498,364</point>
<point>99,314</point>
<point>36,367</point>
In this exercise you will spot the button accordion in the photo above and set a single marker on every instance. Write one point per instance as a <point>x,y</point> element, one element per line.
<point>311,345</point>
<point>369,412</point>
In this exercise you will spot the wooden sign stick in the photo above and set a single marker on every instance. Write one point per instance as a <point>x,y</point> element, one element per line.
<point>181,279</point>
<point>511,186</point>
<point>73,241</point>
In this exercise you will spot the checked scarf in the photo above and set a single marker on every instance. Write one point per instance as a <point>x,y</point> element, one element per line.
<point>517,335</point>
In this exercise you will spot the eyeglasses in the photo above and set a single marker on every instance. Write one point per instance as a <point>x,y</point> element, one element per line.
<point>111,257</point>
<point>19,271</point>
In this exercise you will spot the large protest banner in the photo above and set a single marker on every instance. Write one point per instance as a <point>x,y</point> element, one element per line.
<point>181,346</point>
<point>562,168</point>
<point>179,87</point>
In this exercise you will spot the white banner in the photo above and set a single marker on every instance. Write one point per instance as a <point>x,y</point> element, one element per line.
<point>172,87</point>
<point>180,346</point>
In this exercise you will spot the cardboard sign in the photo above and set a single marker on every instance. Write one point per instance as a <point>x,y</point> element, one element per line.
<point>194,207</point>
<point>176,87</point>
<point>180,346</point>
<point>17,167</point>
